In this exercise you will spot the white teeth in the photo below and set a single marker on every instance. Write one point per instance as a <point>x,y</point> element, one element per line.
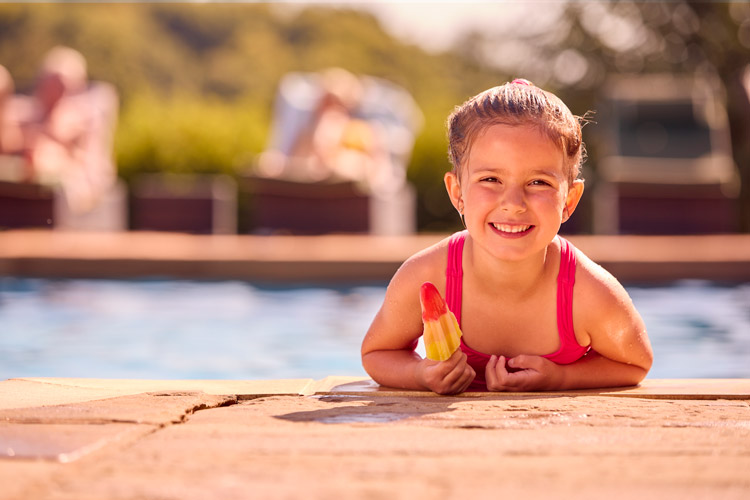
<point>507,228</point>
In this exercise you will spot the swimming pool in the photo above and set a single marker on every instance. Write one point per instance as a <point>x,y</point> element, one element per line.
<point>168,329</point>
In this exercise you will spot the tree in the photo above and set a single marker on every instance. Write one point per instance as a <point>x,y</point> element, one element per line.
<point>591,40</point>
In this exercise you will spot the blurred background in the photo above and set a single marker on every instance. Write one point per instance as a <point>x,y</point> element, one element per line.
<point>313,118</point>
<point>201,111</point>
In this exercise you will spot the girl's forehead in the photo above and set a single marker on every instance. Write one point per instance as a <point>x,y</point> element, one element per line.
<point>526,132</point>
<point>499,143</point>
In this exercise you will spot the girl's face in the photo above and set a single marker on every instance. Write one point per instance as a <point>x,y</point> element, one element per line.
<point>513,191</point>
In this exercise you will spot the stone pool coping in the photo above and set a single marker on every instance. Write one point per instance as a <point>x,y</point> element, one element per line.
<point>45,391</point>
<point>66,438</point>
<point>334,258</point>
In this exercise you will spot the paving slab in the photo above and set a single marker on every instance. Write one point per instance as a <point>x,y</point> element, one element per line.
<point>380,446</point>
<point>69,431</point>
<point>155,408</point>
<point>19,476</point>
<point>649,388</point>
<point>29,392</point>
<point>347,437</point>
<point>62,442</point>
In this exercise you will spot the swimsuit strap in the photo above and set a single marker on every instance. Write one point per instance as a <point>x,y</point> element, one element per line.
<point>454,273</point>
<point>566,279</point>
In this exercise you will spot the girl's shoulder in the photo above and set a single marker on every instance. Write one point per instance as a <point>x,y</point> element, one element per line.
<point>428,264</point>
<point>591,275</point>
<point>598,294</point>
<point>605,317</point>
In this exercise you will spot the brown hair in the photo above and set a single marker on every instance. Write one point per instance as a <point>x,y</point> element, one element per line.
<point>516,103</point>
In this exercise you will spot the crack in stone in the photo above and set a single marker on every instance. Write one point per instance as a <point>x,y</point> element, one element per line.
<point>230,401</point>
<point>98,412</point>
<point>65,432</point>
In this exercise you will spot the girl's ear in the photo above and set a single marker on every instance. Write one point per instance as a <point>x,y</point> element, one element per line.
<point>571,201</point>
<point>454,191</point>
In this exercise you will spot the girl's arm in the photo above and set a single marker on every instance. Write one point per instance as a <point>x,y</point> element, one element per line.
<point>616,331</point>
<point>536,373</point>
<point>621,352</point>
<point>387,350</point>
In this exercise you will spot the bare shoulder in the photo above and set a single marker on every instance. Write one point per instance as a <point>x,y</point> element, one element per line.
<point>602,305</point>
<point>597,281</point>
<point>426,265</point>
<point>399,320</point>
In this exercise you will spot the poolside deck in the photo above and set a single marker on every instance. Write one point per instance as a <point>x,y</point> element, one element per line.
<point>334,258</point>
<point>348,438</point>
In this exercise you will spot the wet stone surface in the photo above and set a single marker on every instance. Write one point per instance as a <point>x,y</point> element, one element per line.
<point>190,446</point>
<point>69,431</point>
<point>523,411</point>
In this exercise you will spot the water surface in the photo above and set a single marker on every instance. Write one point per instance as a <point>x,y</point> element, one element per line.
<point>236,330</point>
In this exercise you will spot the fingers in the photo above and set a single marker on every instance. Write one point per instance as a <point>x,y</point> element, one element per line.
<point>451,376</point>
<point>523,362</point>
<point>500,378</point>
<point>520,373</point>
<point>496,373</point>
<point>456,358</point>
<point>459,374</point>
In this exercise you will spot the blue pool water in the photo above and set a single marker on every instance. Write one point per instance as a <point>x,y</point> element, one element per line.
<point>237,330</point>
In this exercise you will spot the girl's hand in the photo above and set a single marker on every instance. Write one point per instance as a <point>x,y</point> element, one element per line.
<point>451,376</point>
<point>522,373</point>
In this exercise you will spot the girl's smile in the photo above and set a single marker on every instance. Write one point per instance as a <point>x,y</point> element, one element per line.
<point>512,230</point>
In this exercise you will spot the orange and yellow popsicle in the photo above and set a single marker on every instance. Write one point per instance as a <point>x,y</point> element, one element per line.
<point>442,334</point>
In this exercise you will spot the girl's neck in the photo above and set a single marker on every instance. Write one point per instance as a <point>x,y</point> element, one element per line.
<point>517,277</point>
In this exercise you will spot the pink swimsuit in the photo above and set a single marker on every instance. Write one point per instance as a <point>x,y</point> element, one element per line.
<point>569,351</point>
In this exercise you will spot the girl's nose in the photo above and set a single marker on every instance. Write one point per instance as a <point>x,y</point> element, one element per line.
<point>513,200</point>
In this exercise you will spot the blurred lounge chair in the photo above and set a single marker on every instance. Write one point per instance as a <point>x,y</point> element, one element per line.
<point>186,203</point>
<point>668,168</point>
<point>297,191</point>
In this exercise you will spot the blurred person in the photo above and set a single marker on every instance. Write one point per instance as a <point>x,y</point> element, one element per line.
<point>335,143</point>
<point>11,137</point>
<point>7,88</point>
<point>350,133</point>
<point>536,313</point>
<point>67,128</point>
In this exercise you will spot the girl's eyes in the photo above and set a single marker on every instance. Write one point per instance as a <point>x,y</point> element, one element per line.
<point>540,182</point>
<point>535,182</point>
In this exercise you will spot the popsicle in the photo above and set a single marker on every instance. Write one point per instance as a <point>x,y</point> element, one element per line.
<point>441,331</point>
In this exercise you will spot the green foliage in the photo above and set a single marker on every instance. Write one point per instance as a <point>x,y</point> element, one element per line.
<point>182,134</point>
<point>428,167</point>
<point>197,82</point>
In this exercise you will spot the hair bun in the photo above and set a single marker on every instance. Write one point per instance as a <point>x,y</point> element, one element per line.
<point>522,81</point>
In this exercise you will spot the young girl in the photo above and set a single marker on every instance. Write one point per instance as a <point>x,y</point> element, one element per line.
<point>535,312</point>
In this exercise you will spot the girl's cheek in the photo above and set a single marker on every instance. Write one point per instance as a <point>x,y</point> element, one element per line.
<point>547,196</point>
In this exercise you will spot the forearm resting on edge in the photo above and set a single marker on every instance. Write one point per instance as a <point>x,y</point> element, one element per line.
<point>595,371</point>
<point>393,368</point>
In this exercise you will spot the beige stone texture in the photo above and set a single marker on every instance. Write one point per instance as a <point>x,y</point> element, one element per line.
<point>345,437</point>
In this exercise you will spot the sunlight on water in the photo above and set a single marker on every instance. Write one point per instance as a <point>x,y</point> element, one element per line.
<point>697,329</point>
<point>179,329</point>
<point>236,330</point>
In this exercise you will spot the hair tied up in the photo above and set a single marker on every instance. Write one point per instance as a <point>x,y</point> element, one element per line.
<point>522,81</point>
<point>519,102</point>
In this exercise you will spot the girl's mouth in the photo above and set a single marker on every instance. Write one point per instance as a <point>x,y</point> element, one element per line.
<point>512,229</point>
